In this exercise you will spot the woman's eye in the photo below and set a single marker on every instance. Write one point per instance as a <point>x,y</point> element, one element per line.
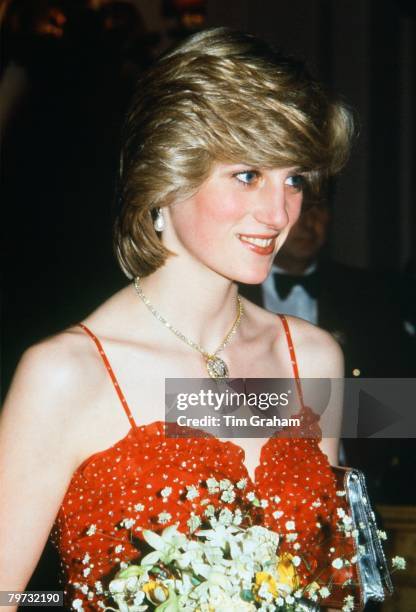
<point>296,181</point>
<point>247,177</point>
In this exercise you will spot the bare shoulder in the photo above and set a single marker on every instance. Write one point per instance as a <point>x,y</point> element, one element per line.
<point>52,385</point>
<point>58,364</point>
<point>318,353</point>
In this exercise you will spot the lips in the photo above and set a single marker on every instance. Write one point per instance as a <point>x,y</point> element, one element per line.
<point>262,244</point>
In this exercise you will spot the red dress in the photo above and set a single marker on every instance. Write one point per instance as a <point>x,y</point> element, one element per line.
<point>129,481</point>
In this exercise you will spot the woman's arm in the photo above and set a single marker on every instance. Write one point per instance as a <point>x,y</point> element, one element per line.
<point>36,460</point>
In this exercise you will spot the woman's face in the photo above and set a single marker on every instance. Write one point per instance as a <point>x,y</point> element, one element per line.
<point>237,221</point>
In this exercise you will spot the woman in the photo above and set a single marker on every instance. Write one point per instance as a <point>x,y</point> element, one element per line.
<point>222,139</point>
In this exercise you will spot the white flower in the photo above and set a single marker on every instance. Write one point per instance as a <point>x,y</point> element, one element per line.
<point>341,493</point>
<point>264,592</point>
<point>119,548</point>
<point>238,517</point>
<point>128,523</point>
<point>166,491</point>
<point>166,545</point>
<point>264,503</point>
<point>276,499</point>
<point>337,563</point>
<point>277,514</point>
<point>84,589</point>
<point>347,520</point>
<point>228,496</point>
<point>398,563</point>
<point>225,484</point>
<point>86,559</point>
<point>296,561</point>
<point>349,604</point>
<point>86,572</point>
<point>139,507</point>
<point>316,504</point>
<point>193,522</point>
<point>98,587</point>
<point>77,605</point>
<point>90,531</point>
<point>192,493</point>
<point>225,516</point>
<point>280,601</point>
<point>251,496</point>
<point>382,534</point>
<point>324,592</point>
<point>209,510</point>
<point>296,546</point>
<point>290,525</point>
<point>213,485</point>
<point>138,598</point>
<point>163,517</point>
<point>340,512</point>
<point>289,599</point>
<point>116,586</point>
<point>291,537</point>
<point>241,484</point>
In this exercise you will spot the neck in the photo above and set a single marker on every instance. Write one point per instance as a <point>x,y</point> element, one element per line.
<point>197,301</point>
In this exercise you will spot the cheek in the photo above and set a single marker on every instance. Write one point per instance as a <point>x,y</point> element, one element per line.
<point>294,209</point>
<point>206,215</point>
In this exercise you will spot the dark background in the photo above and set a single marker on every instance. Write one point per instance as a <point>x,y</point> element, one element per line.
<point>60,135</point>
<point>60,142</point>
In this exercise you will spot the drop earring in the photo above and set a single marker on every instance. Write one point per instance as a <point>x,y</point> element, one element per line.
<point>159,221</point>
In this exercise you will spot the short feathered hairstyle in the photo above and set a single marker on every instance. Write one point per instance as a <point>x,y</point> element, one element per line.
<point>220,96</point>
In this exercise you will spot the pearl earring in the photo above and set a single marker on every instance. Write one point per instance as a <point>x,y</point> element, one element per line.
<point>159,221</point>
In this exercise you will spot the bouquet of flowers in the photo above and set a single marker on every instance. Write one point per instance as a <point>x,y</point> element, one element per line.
<point>225,561</point>
<point>222,568</point>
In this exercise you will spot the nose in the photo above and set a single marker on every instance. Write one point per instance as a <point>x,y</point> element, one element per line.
<point>271,208</point>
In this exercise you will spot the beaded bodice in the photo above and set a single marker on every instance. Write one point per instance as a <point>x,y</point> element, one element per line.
<point>148,480</point>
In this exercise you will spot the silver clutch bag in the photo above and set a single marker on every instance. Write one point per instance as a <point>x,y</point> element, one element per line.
<point>372,569</point>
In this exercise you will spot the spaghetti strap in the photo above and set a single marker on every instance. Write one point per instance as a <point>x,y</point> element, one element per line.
<point>292,357</point>
<point>112,375</point>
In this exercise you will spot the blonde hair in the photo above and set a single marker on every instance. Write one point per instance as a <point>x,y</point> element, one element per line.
<point>219,96</point>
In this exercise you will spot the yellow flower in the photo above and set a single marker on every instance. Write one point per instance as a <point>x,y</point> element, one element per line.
<point>155,591</point>
<point>287,572</point>
<point>262,577</point>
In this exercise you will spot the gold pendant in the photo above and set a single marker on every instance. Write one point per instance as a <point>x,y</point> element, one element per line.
<point>217,368</point>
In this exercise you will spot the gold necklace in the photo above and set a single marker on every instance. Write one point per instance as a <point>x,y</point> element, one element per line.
<point>216,367</point>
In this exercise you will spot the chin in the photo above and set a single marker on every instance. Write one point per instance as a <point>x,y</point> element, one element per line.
<point>251,277</point>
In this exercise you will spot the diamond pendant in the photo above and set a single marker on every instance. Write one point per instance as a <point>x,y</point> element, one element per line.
<point>217,368</point>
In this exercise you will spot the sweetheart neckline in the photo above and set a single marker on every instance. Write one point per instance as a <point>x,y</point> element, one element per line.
<point>137,429</point>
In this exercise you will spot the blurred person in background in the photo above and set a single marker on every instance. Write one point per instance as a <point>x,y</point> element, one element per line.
<point>351,303</point>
